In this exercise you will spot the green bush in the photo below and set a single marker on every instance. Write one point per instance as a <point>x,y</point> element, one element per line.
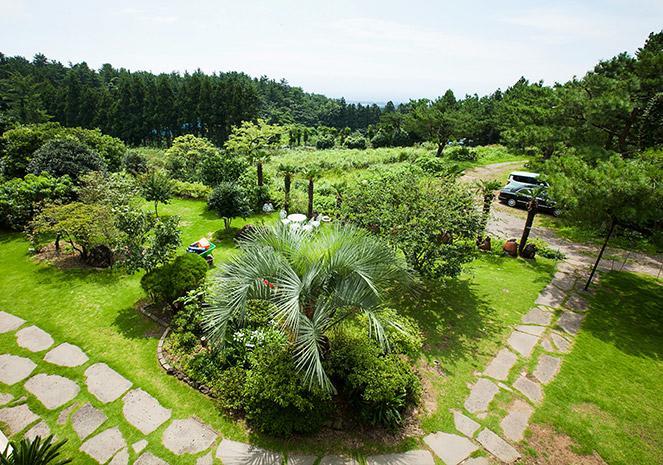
<point>169,282</point>
<point>276,400</point>
<point>356,141</point>
<point>381,139</point>
<point>65,158</point>
<point>325,142</point>
<point>431,165</point>
<point>229,387</point>
<point>461,153</point>
<point>135,162</point>
<point>229,201</point>
<point>219,167</point>
<point>191,190</point>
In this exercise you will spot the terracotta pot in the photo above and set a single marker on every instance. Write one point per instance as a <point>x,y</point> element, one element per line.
<point>511,247</point>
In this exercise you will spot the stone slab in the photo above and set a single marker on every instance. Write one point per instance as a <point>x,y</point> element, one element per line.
<point>34,339</point>
<point>63,417</point>
<point>238,453</point>
<point>481,395</point>
<point>52,390</point>
<point>464,424</point>
<point>208,459</point>
<point>551,296</point>
<point>66,355</point>
<point>150,459</point>
<point>530,389</point>
<point>547,368</point>
<point>563,345</point>
<point>138,446</point>
<point>121,458</point>
<point>9,322</point>
<point>143,411</point>
<point>538,316</point>
<point>500,366</point>
<point>522,343</point>
<point>531,329</point>
<point>5,398</point>
<point>105,383</point>
<point>564,281</point>
<point>17,418</point>
<point>189,436</point>
<point>14,368</point>
<point>570,322</point>
<point>451,448</point>
<point>86,420</point>
<point>413,457</point>
<point>497,446</point>
<point>577,303</point>
<point>547,345</point>
<point>516,421</point>
<point>41,429</point>
<point>104,445</point>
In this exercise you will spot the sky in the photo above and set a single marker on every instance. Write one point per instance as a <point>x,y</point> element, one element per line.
<point>364,50</point>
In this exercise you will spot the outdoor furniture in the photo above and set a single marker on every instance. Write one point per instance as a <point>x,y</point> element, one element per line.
<point>296,218</point>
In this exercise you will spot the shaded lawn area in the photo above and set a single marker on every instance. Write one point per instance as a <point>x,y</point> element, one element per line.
<point>609,393</point>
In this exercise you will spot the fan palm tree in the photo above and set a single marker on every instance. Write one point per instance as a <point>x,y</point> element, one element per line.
<point>315,280</point>
<point>287,171</point>
<point>36,452</point>
<point>311,173</point>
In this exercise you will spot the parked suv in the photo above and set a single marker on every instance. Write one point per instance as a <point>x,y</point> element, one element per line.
<point>525,177</point>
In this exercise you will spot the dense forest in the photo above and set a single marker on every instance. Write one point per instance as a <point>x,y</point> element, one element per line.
<point>615,107</point>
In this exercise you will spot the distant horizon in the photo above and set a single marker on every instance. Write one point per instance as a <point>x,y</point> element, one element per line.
<point>373,52</point>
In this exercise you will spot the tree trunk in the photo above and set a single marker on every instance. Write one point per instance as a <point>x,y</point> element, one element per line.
<point>487,202</point>
<point>156,212</point>
<point>621,143</point>
<point>286,201</point>
<point>598,259</point>
<point>440,149</point>
<point>260,177</point>
<point>531,213</point>
<point>57,244</point>
<point>310,198</point>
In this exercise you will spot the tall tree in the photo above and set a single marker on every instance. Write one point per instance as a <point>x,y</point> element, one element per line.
<point>257,142</point>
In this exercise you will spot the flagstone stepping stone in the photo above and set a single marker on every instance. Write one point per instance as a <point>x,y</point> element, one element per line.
<point>531,329</point>
<point>530,389</point>
<point>522,343</point>
<point>451,448</point>
<point>550,296</point>
<point>143,411</point>
<point>14,368</point>
<point>548,345</point>
<point>563,345</point>
<point>497,446</point>
<point>64,414</point>
<point>17,418</point>
<point>105,383</point>
<point>570,322</point>
<point>121,458</point>
<point>188,436</point>
<point>577,303</point>
<point>34,339</point>
<point>104,445</point>
<point>413,457</point>
<point>66,355</point>
<point>564,281</point>
<point>9,322</point>
<point>87,419</point>
<point>338,460</point>
<point>52,390</point>
<point>238,453</point>
<point>547,368</point>
<point>538,316</point>
<point>515,422</point>
<point>5,398</point>
<point>138,446</point>
<point>299,459</point>
<point>500,366</point>
<point>208,459</point>
<point>40,429</point>
<point>464,424</point>
<point>149,459</point>
<point>481,395</point>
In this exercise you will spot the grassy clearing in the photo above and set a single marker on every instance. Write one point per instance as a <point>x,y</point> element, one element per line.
<point>608,395</point>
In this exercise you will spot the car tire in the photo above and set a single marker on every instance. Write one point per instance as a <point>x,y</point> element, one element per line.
<point>511,202</point>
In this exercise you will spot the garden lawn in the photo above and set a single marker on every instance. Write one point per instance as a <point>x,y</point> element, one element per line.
<point>608,395</point>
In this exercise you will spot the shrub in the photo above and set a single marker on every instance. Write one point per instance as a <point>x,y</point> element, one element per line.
<point>356,141</point>
<point>229,387</point>
<point>381,139</point>
<point>229,201</point>
<point>276,400</point>
<point>461,153</point>
<point>191,190</point>
<point>219,167</point>
<point>21,199</point>
<point>169,282</point>
<point>325,142</point>
<point>431,165</point>
<point>186,154</point>
<point>135,162</point>
<point>65,158</point>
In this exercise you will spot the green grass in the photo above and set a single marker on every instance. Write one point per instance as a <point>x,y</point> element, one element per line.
<point>465,321</point>
<point>608,394</point>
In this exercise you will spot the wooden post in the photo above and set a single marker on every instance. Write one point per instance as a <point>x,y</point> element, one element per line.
<point>598,259</point>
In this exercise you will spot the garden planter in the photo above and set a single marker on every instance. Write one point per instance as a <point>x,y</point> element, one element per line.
<point>511,247</point>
